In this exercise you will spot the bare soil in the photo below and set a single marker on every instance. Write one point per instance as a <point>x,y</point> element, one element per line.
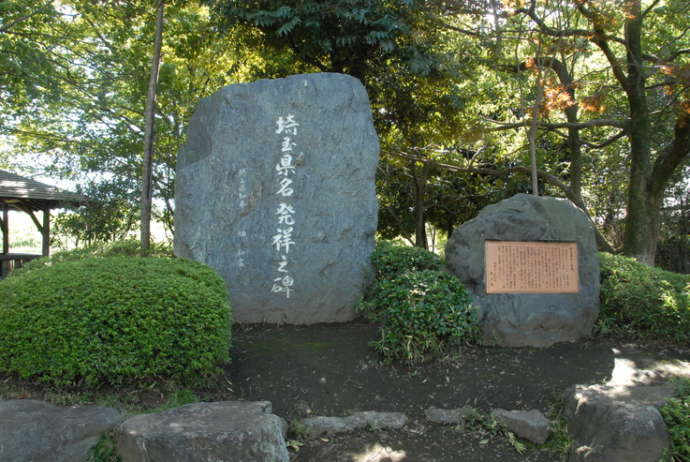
<point>330,370</point>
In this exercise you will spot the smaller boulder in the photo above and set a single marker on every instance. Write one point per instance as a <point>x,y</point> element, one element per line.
<point>448,416</point>
<point>617,423</point>
<point>530,425</point>
<point>320,425</point>
<point>37,431</point>
<point>202,432</point>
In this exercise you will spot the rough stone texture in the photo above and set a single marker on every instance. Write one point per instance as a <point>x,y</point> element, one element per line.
<point>320,425</point>
<point>205,432</point>
<point>530,425</point>
<point>528,319</point>
<point>37,431</point>
<point>227,198</point>
<point>617,423</point>
<point>448,416</point>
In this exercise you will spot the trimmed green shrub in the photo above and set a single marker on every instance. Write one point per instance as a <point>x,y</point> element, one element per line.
<point>676,414</point>
<point>391,260</point>
<point>114,320</point>
<point>124,248</point>
<point>421,312</point>
<point>644,301</point>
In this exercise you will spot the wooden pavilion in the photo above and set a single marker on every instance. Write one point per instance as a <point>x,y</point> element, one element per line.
<point>29,196</point>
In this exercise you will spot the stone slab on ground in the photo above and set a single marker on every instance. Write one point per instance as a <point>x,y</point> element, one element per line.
<point>448,416</point>
<point>617,423</point>
<point>226,431</point>
<point>530,425</point>
<point>528,319</point>
<point>322,425</point>
<point>36,431</point>
<point>275,189</point>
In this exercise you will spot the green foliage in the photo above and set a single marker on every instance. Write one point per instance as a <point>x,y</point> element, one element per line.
<point>114,320</point>
<point>421,312</point>
<point>644,301</point>
<point>179,397</point>
<point>486,427</point>
<point>341,36</point>
<point>676,414</point>
<point>81,70</point>
<point>105,450</point>
<point>559,441</point>
<point>391,260</point>
<point>124,248</point>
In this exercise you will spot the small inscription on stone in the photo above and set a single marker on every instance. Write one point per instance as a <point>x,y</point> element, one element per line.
<point>531,267</point>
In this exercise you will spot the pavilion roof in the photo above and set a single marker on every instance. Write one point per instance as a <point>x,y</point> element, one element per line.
<point>20,192</point>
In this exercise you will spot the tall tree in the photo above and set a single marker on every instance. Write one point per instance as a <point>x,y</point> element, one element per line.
<point>93,133</point>
<point>149,115</point>
<point>634,64</point>
<point>629,58</point>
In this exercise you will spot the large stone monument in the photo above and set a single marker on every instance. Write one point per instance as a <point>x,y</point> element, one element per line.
<point>531,263</point>
<point>275,190</point>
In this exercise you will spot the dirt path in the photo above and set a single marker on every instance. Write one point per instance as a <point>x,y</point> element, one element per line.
<point>330,370</point>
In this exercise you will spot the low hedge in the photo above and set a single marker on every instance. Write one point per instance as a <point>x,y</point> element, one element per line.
<point>644,301</point>
<point>122,248</point>
<point>421,312</point>
<point>114,320</point>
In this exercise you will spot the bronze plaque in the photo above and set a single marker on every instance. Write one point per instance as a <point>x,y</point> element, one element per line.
<point>531,267</point>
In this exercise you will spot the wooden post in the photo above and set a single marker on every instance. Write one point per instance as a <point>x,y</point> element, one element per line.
<point>5,228</point>
<point>4,264</point>
<point>46,231</point>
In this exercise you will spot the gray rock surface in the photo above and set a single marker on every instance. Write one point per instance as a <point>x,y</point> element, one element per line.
<point>320,425</point>
<point>244,158</point>
<point>37,431</point>
<point>448,416</point>
<point>617,423</point>
<point>513,319</point>
<point>530,425</point>
<point>227,431</point>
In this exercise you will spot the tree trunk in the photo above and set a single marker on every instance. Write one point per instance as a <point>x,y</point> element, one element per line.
<point>419,176</point>
<point>641,227</point>
<point>532,134</point>
<point>5,228</point>
<point>149,114</point>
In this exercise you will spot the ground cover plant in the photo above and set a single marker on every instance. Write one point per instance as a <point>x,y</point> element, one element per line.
<point>114,320</point>
<point>421,312</point>
<point>643,301</point>
<point>676,414</point>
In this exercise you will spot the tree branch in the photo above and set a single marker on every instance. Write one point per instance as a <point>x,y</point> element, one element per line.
<point>622,124</point>
<point>650,8</point>
<point>545,29</point>
<point>459,29</point>
<point>674,155</point>
<point>11,24</point>
<point>606,143</point>
<point>546,177</point>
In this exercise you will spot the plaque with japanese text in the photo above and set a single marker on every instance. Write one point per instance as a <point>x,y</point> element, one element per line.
<point>531,267</point>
